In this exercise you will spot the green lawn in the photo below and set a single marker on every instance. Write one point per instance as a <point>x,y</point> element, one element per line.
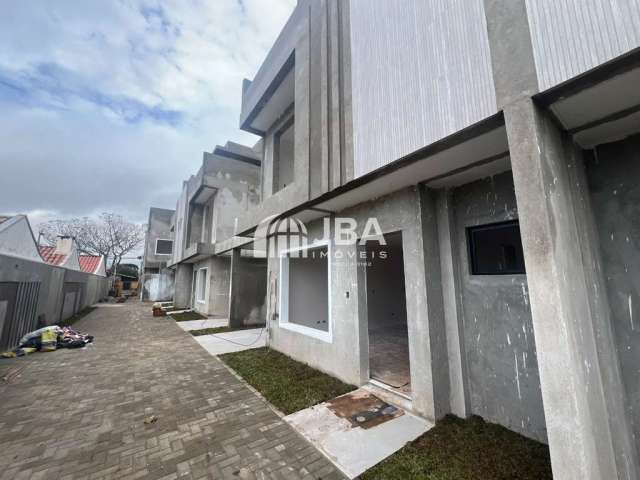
<point>289,385</point>
<point>183,317</point>
<point>471,449</point>
<point>214,330</point>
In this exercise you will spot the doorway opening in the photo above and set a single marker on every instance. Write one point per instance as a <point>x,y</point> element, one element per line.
<point>387,314</point>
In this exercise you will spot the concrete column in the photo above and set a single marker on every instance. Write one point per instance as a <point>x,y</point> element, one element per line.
<point>183,285</point>
<point>588,434</point>
<point>453,319</point>
<point>234,287</point>
<point>425,313</point>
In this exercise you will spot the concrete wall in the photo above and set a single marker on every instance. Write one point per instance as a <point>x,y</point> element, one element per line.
<point>574,36</point>
<point>53,282</point>
<point>346,354</point>
<point>180,224</point>
<point>157,287</point>
<point>502,369</point>
<point>420,71</point>
<point>158,227</point>
<point>182,296</point>
<point>218,278</point>
<point>615,197</point>
<point>318,35</point>
<point>237,186</point>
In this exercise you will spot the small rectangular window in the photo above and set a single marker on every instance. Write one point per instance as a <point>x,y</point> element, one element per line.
<point>164,247</point>
<point>496,249</point>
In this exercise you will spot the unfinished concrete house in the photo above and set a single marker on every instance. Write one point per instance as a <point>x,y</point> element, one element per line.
<point>207,213</point>
<point>496,146</point>
<point>157,280</point>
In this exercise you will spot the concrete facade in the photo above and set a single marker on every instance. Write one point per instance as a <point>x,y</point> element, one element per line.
<point>212,200</point>
<point>499,342</point>
<point>436,121</point>
<point>157,280</point>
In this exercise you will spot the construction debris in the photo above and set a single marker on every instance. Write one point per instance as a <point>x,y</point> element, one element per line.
<point>48,339</point>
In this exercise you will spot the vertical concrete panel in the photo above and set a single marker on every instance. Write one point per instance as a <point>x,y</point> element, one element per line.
<point>420,71</point>
<point>573,36</point>
<point>499,342</point>
<point>248,290</point>
<point>183,283</point>
<point>585,437</point>
<point>427,335</point>
<point>615,197</point>
<point>454,319</point>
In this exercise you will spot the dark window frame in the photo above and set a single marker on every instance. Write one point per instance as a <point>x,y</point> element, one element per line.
<point>158,240</point>
<point>472,248</point>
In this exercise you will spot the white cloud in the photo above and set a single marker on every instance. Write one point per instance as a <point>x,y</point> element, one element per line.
<point>109,105</point>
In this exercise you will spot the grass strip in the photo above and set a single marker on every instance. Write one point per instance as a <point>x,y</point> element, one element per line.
<point>469,449</point>
<point>214,330</point>
<point>287,384</point>
<point>186,316</point>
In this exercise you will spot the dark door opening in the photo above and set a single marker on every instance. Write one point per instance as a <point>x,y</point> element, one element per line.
<point>387,314</point>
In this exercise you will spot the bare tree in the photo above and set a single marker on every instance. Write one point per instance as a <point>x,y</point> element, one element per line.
<point>109,236</point>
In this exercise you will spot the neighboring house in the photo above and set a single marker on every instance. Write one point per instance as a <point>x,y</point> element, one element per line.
<point>93,264</point>
<point>207,212</point>
<point>157,280</point>
<point>42,285</point>
<point>63,254</point>
<point>16,238</point>
<point>495,145</point>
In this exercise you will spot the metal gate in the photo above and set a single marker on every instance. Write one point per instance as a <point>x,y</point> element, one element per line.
<point>18,311</point>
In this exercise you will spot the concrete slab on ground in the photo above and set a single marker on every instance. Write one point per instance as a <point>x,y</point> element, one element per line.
<point>353,449</point>
<point>204,323</point>
<point>233,341</point>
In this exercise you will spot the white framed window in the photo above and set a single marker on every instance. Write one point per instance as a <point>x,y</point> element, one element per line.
<point>201,285</point>
<point>305,290</point>
<point>164,246</point>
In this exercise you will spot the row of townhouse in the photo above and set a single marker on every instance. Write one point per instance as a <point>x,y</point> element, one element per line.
<point>43,285</point>
<point>444,203</point>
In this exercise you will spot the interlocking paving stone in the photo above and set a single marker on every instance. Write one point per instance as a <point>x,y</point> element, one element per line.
<point>79,414</point>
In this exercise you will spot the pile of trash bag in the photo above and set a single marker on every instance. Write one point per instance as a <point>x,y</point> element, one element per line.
<point>48,339</point>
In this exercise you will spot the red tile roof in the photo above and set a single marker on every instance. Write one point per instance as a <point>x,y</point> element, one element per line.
<point>49,255</point>
<point>89,263</point>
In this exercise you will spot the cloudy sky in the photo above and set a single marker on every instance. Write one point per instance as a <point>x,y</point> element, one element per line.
<point>107,105</point>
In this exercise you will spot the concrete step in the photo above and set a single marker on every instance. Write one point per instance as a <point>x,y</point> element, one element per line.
<point>389,395</point>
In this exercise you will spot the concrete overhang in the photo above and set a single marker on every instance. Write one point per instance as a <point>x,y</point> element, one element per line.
<point>197,252</point>
<point>602,105</point>
<point>233,243</point>
<point>266,97</point>
<point>229,153</point>
<point>202,194</point>
<point>474,152</point>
